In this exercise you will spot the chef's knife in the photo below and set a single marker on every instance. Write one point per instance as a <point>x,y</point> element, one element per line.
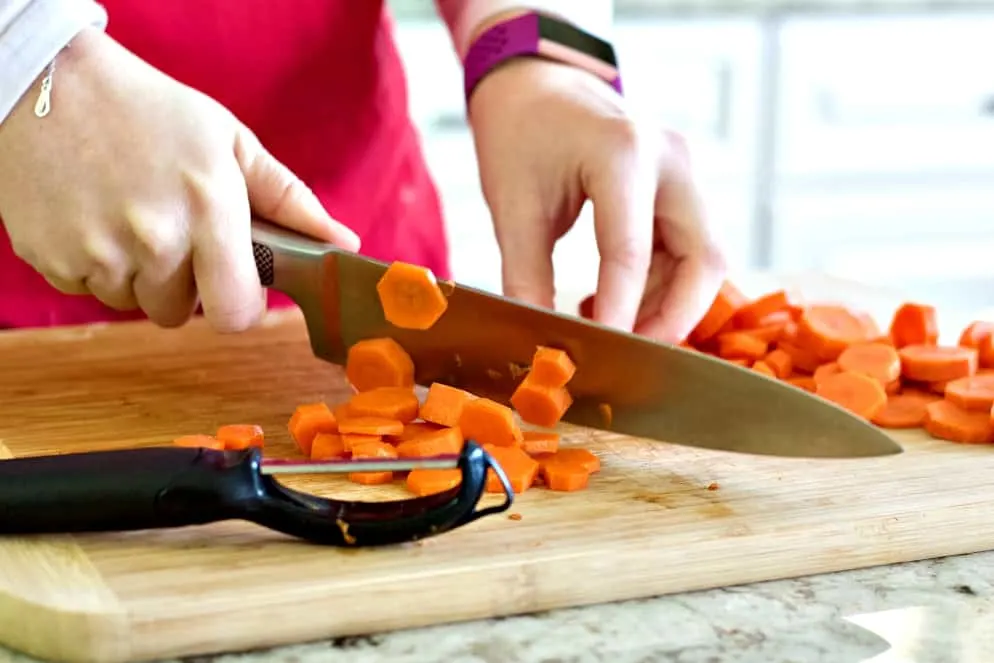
<point>653,390</point>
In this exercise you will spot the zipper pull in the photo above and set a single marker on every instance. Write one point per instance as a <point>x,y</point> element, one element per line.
<point>44,103</point>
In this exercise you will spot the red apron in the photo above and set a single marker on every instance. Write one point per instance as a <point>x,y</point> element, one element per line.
<point>322,85</point>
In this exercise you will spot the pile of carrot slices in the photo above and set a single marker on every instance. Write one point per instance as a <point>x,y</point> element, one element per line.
<point>900,378</point>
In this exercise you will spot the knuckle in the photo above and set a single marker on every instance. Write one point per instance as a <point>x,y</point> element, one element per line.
<point>156,239</point>
<point>205,204</point>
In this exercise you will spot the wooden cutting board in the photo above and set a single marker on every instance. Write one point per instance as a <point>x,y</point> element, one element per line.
<point>648,525</point>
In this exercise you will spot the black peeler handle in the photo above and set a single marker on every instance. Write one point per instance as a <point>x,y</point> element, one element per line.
<point>126,490</point>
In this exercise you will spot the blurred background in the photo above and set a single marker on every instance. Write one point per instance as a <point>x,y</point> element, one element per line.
<point>853,138</point>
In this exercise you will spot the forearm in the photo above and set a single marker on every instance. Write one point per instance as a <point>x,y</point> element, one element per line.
<point>466,18</point>
<point>32,32</point>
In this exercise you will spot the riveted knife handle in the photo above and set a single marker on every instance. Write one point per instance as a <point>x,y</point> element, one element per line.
<point>286,260</point>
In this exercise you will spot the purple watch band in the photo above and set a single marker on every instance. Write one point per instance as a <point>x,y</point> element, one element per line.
<point>537,35</point>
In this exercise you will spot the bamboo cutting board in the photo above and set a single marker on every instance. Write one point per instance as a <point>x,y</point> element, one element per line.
<point>657,519</point>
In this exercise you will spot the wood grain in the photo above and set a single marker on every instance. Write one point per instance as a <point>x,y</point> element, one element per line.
<point>648,525</point>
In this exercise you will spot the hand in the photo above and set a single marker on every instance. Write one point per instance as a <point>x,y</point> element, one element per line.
<point>138,190</point>
<point>549,137</point>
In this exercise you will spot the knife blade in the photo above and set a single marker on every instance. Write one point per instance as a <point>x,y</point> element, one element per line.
<point>483,342</point>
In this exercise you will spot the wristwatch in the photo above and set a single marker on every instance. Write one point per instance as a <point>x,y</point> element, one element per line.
<point>533,34</point>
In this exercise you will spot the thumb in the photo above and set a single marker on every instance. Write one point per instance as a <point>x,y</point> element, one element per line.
<point>279,196</point>
<point>527,272</point>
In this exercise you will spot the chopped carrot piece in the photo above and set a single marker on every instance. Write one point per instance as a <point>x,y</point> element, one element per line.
<point>936,363</point>
<point>399,403</point>
<point>341,411</point>
<point>824,371</point>
<point>378,362</point>
<point>728,300</point>
<point>308,420</point>
<point>410,296</point>
<point>750,315</point>
<point>905,410</point>
<point>771,328</point>
<point>436,443</point>
<point>780,362</point>
<point>327,446</point>
<point>372,450</point>
<point>564,477</point>
<point>985,350</point>
<point>574,456</point>
<point>827,330</point>
<point>877,360</point>
<point>520,468</point>
<point>538,404</point>
<point>764,368</point>
<point>200,441</point>
<point>975,392</point>
<point>802,359</point>
<point>860,394</point>
<point>804,382</point>
<point>744,363</point>
<point>540,442</point>
<point>914,324</point>
<point>741,345</point>
<point>894,387</point>
<point>423,482</point>
<point>443,405</point>
<point>551,367</point>
<point>489,422</point>
<point>974,333</point>
<point>352,440</point>
<point>371,426</point>
<point>413,430</point>
<point>241,436</point>
<point>944,420</point>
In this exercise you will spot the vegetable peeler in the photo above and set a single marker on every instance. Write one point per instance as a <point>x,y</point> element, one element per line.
<point>165,487</point>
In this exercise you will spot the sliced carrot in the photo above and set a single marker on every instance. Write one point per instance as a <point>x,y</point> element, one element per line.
<point>827,329</point>
<point>437,443</point>
<point>341,411</point>
<point>552,367</point>
<point>744,363</point>
<point>985,351</point>
<point>824,371</point>
<point>413,430</point>
<point>741,345</point>
<point>372,450</point>
<point>200,441</point>
<point>423,482</point>
<point>804,382</point>
<point>520,468</point>
<point>327,446</point>
<point>488,422</point>
<point>352,440</point>
<point>877,360</point>
<point>750,315</point>
<point>764,368</point>
<point>914,324</point>
<point>975,392</point>
<point>772,328</point>
<point>540,442</point>
<point>726,302</point>
<point>443,405</point>
<point>397,403</point>
<point>905,410</point>
<point>308,420</point>
<point>564,476</point>
<point>378,362</point>
<point>937,363</point>
<point>574,456</point>
<point>894,387</point>
<point>860,394</point>
<point>410,296</point>
<point>371,426</point>
<point>975,332</point>
<point>945,420</point>
<point>780,362</point>
<point>802,359</point>
<point>241,436</point>
<point>538,404</point>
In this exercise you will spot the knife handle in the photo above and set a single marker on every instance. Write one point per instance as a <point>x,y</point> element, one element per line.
<point>286,260</point>
<point>131,489</point>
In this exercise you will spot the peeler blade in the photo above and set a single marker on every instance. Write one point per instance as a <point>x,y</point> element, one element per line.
<point>343,466</point>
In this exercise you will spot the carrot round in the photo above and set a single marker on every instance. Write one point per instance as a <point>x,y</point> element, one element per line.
<point>750,315</point>
<point>764,368</point>
<point>352,440</point>
<point>488,422</point>
<point>975,332</point>
<point>824,371</point>
<point>378,362</point>
<point>398,403</point>
<point>905,410</point>
<point>574,456</point>
<point>443,405</point>
<point>540,442</point>
<point>199,440</point>
<point>985,351</point>
<point>520,468</point>
<point>780,362</point>
<point>877,360</point>
<point>436,443</point>
<point>538,404</point>
<point>410,296</point>
<point>937,363</point>
<point>914,324</point>
<point>945,420</point>
<point>741,345</point>
<point>327,446</point>
<point>725,304</point>
<point>827,330</point>
<point>975,392</point>
<point>309,419</point>
<point>241,436</point>
<point>803,359</point>
<point>565,477</point>
<point>413,430</point>
<point>805,382</point>
<point>423,482</point>
<point>862,395</point>
<point>371,426</point>
<point>373,450</point>
<point>552,367</point>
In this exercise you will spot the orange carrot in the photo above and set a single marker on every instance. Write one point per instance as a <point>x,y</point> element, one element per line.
<point>410,296</point>
<point>935,363</point>
<point>341,411</point>
<point>574,456</point>
<point>308,420</point>
<point>440,442</point>
<point>488,422</point>
<point>780,362</point>
<point>413,430</point>
<point>751,314</point>
<point>824,371</point>
<point>985,351</point>
<point>771,328</point>
<point>372,450</point>
<point>975,332</point>
<point>551,367</point>
<point>802,359</point>
<point>741,345</point>
<point>877,360</point>
<point>200,441</point>
<point>894,387</point>
<point>423,482</point>
<point>914,324</point>
<point>397,403</point>
<point>352,440</point>
<point>827,329</point>
<point>744,363</point>
<point>241,436</point>
<point>726,302</point>
<point>862,395</point>
<point>520,468</point>
<point>975,392</point>
<point>371,426</point>
<point>564,476</point>
<point>540,442</point>
<point>378,362</point>
<point>944,420</point>
<point>764,368</point>
<point>804,382</point>
<point>538,404</point>
<point>905,410</point>
<point>443,405</point>
<point>328,446</point>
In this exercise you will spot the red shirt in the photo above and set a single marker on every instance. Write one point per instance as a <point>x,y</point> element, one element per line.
<point>322,85</point>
